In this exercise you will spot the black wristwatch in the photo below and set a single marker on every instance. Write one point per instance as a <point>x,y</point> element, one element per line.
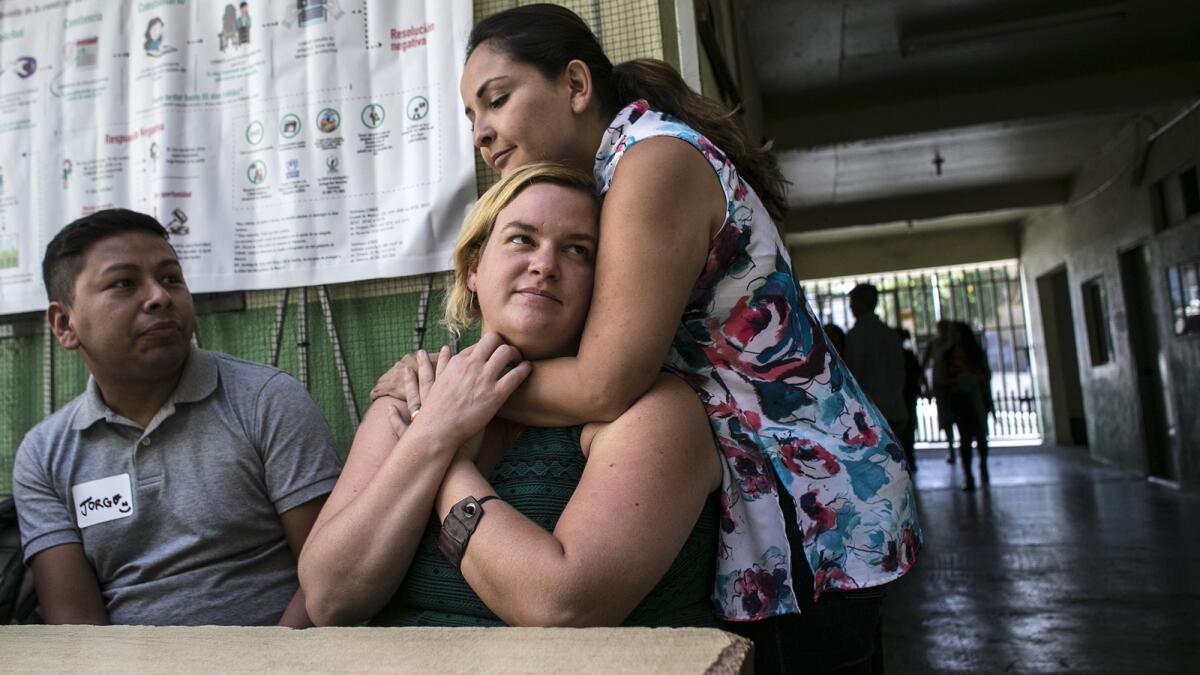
<point>458,527</point>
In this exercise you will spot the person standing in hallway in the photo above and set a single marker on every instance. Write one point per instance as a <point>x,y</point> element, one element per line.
<point>969,396</point>
<point>914,384</point>
<point>935,356</point>
<point>875,358</point>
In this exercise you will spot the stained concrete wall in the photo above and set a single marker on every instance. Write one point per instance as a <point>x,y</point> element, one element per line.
<point>1111,210</point>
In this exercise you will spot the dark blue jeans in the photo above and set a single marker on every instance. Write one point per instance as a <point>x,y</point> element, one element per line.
<point>839,633</point>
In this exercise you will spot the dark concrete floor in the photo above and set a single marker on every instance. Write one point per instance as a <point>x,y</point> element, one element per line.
<point>1060,564</point>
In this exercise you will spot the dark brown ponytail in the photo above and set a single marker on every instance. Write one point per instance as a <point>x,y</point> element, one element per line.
<point>548,37</point>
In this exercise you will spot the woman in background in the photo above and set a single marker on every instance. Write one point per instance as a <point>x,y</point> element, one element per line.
<point>968,394</point>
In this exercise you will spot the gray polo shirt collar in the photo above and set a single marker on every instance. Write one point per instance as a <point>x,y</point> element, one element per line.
<point>198,382</point>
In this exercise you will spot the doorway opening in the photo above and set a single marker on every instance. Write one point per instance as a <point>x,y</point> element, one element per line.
<point>987,297</point>
<point>1062,359</point>
<point>1146,350</point>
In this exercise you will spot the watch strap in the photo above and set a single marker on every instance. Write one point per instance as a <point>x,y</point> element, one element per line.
<point>457,528</point>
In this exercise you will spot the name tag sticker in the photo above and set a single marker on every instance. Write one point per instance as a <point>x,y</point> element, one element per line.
<point>99,501</point>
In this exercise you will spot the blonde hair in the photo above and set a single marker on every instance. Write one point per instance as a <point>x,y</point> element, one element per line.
<point>462,308</point>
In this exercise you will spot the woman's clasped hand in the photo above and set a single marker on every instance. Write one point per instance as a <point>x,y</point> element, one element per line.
<point>463,391</point>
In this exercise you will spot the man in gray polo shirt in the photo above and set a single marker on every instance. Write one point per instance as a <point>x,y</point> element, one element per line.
<point>181,485</point>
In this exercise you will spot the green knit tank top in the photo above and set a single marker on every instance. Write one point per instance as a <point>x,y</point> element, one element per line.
<point>537,477</point>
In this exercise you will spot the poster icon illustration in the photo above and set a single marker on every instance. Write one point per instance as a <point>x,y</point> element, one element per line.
<point>10,249</point>
<point>84,53</point>
<point>305,13</point>
<point>24,67</point>
<point>178,223</point>
<point>372,115</point>
<point>328,120</point>
<point>289,126</point>
<point>256,172</point>
<point>255,133</point>
<point>81,54</point>
<point>418,108</point>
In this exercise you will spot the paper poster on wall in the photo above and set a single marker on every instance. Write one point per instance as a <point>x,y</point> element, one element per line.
<point>281,143</point>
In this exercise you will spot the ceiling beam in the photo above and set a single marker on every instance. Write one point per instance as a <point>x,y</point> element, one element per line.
<point>916,40</point>
<point>821,118</point>
<point>982,199</point>
<point>911,250</point>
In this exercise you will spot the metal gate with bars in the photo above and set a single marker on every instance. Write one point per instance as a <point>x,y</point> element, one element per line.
<point>986,297</point>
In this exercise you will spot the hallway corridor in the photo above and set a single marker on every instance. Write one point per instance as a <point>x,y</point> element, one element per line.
<point>1061,564</point>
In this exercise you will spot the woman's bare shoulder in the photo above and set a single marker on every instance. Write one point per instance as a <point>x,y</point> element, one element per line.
<point>668,417</point>
<point>668,175</point>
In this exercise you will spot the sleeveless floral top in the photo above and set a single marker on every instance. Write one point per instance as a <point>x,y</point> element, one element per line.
<point>781,402</point>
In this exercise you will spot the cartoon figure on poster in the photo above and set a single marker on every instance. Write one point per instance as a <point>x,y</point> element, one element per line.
<point>66,173</point>
<point>154,45</point>
<point>235,26</point>
<point>243,23</point>
<point>305,13</point>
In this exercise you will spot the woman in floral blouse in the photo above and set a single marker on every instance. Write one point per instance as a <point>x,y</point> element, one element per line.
<point>818,511</point>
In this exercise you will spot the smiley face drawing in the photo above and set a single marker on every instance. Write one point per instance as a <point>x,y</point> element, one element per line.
<point>94,504</point>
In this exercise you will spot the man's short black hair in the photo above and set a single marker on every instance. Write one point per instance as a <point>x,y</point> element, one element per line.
<point>64,254</point>
<point>866,295</point>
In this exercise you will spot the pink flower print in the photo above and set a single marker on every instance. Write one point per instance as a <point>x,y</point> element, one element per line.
<point>740,191</point>
<point>868,434</point>
<point>709,150</point>
<point>748,470</point>
<point>760,590</point>
<point>737,419</point>
<point>821,517</point>
<point>746,322</point>
<point>910,543</point>
<point>752,420</point>
<point>831,575</point>
<point>807,458</point>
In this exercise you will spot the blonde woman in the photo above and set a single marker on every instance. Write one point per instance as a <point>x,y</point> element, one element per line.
<point>599,524</point>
